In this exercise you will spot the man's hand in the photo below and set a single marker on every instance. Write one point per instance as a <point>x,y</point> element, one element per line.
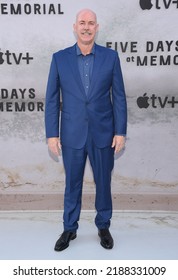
<point>118,143</point>
<point>54,145</point>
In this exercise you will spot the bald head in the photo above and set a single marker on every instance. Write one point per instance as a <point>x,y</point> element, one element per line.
<point>84,12</point>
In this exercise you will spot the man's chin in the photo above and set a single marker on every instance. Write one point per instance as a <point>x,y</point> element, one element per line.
<point>87,41</point>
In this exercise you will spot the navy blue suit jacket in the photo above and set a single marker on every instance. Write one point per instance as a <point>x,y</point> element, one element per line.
<point>103,110</point>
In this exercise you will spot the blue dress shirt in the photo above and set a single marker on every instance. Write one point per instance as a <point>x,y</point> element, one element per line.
<point>85,64</point>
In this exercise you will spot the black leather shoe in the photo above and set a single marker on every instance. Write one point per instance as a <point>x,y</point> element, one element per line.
<point>106,238</point>
<point>63,242</point>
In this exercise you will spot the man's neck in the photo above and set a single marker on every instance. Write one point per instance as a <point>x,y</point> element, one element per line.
<point>85,49</point>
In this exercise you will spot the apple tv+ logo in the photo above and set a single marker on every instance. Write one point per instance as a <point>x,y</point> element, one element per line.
<point>146,4</point>
<point>154,101</point>
<point>12,58</point>
<point>158,4</point>
<point>142,101</point>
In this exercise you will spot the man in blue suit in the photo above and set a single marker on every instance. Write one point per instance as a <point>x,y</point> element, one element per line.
<point>92,121</point>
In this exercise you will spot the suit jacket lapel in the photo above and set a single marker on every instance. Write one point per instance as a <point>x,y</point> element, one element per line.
<point>96,69</point>
<point>74,66</point>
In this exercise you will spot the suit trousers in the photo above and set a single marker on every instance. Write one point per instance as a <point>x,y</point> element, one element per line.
<point>102,162</point>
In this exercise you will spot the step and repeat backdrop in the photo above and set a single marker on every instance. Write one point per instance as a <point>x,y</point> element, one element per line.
<point>145,35</point>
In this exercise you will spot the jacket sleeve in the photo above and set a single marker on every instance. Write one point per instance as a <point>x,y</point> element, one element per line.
<point>52,104</point>
<point>119,100</point>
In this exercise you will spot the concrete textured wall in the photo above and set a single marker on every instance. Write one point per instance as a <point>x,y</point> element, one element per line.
<point>145,175</point>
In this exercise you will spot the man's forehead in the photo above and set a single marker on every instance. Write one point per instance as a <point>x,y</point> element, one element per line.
<point>86,15</point>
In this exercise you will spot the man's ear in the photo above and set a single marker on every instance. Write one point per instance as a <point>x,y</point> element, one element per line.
<point>97,27</point>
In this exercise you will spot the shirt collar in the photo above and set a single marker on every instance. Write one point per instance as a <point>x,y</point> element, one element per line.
<point>78,51</point>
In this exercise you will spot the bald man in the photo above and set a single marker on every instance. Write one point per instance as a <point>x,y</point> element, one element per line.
<point>93,121</point>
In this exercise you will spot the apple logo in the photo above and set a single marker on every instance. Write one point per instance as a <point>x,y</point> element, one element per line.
<point>146,4</point>
<point>142,101</point>
<point>1,58</point>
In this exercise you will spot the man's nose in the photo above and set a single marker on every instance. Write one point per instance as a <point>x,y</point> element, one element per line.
<point>86,27</point>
